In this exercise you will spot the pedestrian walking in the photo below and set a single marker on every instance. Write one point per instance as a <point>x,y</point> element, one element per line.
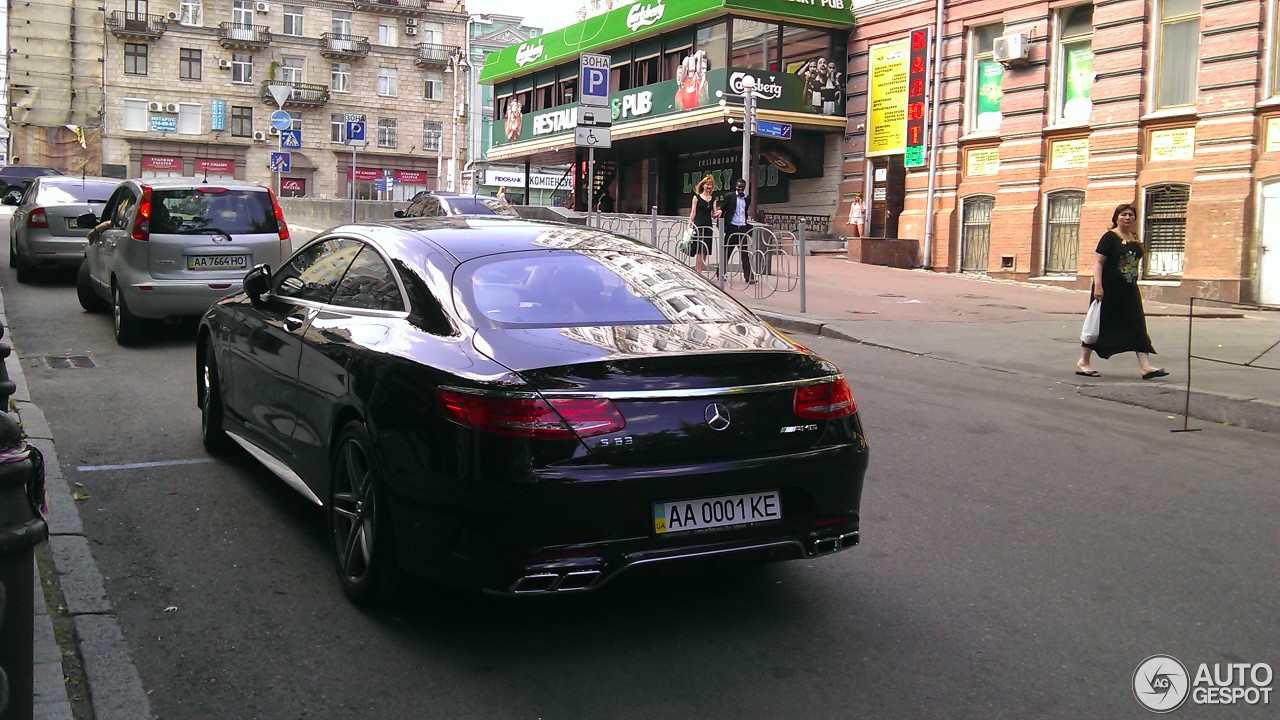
<point>701,212</point>
<point>502,193</point>
<point>857,215</point>
<point>1115,285</point>
<point>735,206</point>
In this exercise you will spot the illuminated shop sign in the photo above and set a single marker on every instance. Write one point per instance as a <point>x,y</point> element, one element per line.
<point>917,76</point>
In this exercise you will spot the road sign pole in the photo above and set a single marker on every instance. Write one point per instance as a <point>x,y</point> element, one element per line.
<point>591,183</point>
<point>353,182</point>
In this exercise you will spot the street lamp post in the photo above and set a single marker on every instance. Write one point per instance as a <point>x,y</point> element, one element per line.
<point>748,121</point>
<point>457,66</point>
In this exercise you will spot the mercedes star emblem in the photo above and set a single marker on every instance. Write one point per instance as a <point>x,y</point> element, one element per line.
<point>717,416</point>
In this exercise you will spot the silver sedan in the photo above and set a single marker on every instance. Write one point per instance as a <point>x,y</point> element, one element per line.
<point>43,232</point>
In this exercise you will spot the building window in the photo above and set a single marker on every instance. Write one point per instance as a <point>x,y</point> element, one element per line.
<point>293,20</point>
<point>386,132</point>
<point>291,70</point>
<point>431,32</point>
<point>987,75</point>
<point>755,45</point>
<point>135,59</point>
<point>134,115</point>
<point>1074,76</point>
<point>189,118</point>
<point>566,92</point>
<point>241,68</point>
<point>1164,229</point>
<point>191,12</point>
<point>544,97</point>
<point>975,232</point>
<point>341,23</point>
<point>387,81</point>
<point>338,128</point>
<point>189,64</point>
<point>340,77</point>
<point>387,32</point>
<point>242,13</point>
<point>241,121</point>
<point>802,46</point>
<point>433,86</point>
<point>1177,56</point>
<point>295,120</point>
<point>1062,232</point>
<point>432,133</point>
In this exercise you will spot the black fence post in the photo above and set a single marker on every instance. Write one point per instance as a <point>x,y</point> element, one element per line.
<point>21,528</point>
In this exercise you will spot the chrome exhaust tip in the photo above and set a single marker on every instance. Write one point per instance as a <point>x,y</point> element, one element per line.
<point>555,582</point>
<point>835,543</point>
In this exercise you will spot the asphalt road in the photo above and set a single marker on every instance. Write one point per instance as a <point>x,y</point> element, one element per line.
<point>1024,549</point>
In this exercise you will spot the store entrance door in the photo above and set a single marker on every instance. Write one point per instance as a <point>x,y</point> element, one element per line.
<point>888,194</point>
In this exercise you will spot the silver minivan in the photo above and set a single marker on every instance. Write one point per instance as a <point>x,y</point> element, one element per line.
<point>171,247</point>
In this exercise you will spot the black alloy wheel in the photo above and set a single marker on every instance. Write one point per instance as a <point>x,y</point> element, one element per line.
<point>89,300</point>
<point>126,325</point>
<point>12,193</point>
<point>212,435</point>
<point>359,523</point>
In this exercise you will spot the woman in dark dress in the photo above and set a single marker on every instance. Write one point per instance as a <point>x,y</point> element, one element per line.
<point>1115,284</point>
<point>700,214</point>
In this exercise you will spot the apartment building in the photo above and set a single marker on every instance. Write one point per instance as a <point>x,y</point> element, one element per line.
<point>188,91</point>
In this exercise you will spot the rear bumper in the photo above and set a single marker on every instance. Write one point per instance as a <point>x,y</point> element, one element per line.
<point>47,250</point>
<point>156,299</point>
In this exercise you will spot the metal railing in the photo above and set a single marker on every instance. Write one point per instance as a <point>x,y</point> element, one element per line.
<point>122,22</point>
<point>434,54</point>
<point>340,45</point>
<point>250,35</point>
<point>301,93</point>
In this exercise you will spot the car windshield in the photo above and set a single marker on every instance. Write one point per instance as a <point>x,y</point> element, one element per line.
<point>587,287</point>
<point>479,205</point>
<point>234,211</point>
<point>88,191</point>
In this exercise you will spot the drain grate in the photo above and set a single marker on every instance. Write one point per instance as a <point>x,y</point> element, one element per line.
<point>63,362</point>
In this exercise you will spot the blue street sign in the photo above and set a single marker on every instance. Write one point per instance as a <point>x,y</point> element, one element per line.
<point>593,83</point>
<point>281,120</point>
<point>281,162</point>
<point>290,139</point>
<point>768,128</point>
<point>355,131</point>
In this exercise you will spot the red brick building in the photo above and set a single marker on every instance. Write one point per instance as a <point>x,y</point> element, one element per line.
<point>1053,113</point>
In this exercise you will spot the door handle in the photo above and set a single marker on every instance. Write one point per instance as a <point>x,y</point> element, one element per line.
<point>293,323</point>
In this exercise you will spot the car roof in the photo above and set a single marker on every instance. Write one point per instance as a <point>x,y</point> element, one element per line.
<point>76,179</point>
<point>191,182</point>
<point>27,169</point>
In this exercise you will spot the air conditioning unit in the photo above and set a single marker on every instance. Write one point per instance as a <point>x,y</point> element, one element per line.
<point>171,17</point>
<point>259,136</point>
<point>224,64</point>
<point>411,22</point>
<point>262,7</point>
<point>171,107</point>
<point>274,131</point>
<point>410,30</point>
<point>155,106</point>
<point>1011,49</point>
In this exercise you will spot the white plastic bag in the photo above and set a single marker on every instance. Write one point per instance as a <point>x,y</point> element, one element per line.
<point>1092,323</point>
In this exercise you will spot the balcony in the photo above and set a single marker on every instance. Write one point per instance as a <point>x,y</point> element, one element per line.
<point>243,37</point>
<point>302,94</point>
<point>136,26</point>
<point>336,46</point>
<point>403,8</point>
<point>429,55</point>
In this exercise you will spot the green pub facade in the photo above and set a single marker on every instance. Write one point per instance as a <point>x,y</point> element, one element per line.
<point>668,60</point>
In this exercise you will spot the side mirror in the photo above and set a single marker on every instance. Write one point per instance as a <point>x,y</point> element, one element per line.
<point>87,221</point>
<point>257,282</point>
<point>399,213</point>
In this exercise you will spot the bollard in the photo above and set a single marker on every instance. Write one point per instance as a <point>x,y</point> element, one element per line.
<point>21,529</point>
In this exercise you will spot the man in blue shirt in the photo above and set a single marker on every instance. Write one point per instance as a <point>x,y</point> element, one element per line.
<point>736,207</point>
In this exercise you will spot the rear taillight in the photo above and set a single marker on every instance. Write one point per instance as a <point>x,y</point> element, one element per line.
<point>531,417</point>
<point>142,222</point>
<point>275,205</point>
<point>827,401</point>
<point>37,219</point>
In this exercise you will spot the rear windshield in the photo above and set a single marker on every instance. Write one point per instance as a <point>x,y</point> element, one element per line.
<point>68,193</point>
<point>588,287</point>
<point>476,205</point>
<point>234,211</point>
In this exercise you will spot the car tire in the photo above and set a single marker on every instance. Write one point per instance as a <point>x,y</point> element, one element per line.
<point>89,299</point>
<point>126,326</point>
<point>212,435</point>
<point>14,192</point>
<point>13,252</point>
<point>360,522</point>
<point>25,272</point>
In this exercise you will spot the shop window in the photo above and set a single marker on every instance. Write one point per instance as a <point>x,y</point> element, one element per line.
<point>545,97</point>
<point>1164,229</point>
<point>672,58</point>
<point>646,70</point>
<point>802,45</point>
<point>1073,78</point>
<point>135,59</point>
<point>619,77</point>
<point>293,20</point>
<point>566,91</point>
<point>714,41</point>
<point>386,132</point>
<point>134,116</point>
<point>338,127</point>
<point>755,45</point>
<point>340,77</point>
<point>987,75</point>
<point>975,232</point>
<point>1062,232</point>
<point>189,64</point>
<point>1177,53</point>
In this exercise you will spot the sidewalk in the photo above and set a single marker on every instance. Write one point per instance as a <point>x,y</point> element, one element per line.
<point>1033,329</point>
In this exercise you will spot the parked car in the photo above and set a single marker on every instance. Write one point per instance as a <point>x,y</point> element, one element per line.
<point>527,408</point>
<point>431,203</point>
<point>171,247</point>
<point>14,180</point>
<point>43,232</point>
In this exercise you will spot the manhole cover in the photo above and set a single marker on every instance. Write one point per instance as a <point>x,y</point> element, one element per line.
<point>62,362</point>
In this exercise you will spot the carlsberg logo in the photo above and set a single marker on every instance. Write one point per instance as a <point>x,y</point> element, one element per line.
<point>644,15</point>
<point>767,91</point>
<point>526,54</point>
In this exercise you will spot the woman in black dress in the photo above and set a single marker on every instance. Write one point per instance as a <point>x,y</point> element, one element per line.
<point>700,214</point>
<point>1115,284</point>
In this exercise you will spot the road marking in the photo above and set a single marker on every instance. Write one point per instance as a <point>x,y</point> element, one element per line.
<point>138,466</point>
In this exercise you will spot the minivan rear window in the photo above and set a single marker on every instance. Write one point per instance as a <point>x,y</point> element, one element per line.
<point>234,211</point>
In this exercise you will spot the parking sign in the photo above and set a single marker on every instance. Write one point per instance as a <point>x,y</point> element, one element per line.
<point>593,80</point>
<point>355,129</point>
